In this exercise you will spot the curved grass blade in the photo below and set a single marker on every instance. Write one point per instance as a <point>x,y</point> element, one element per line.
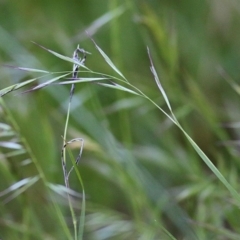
<point>16,86</point>
<point>15,186</point>
<point>99,23</point>
<point>11,145</point>
<point>45,84</point>
<point>26,69</point>
<point>214,169</point>
<point>68,59</point>
<point>158,81</point>
<point>81,80</point>
<point>203,156</point>
<point>119,87</point>
<point>64,191</point>
<point>108,60</point>
<point>19,187</point>
<point>67,174</point>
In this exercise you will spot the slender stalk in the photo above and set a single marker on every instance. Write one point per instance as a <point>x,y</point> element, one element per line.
<point>64,161</point>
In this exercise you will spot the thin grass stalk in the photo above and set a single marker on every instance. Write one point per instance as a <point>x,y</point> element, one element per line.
<point>64,161</point>
<point>66,178</point>
<point>83,212</point>
<point>78,234</point>
<point>64,164</point>
<point>83,207</point>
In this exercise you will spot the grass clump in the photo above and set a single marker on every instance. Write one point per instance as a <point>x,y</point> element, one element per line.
<point>152,163</point>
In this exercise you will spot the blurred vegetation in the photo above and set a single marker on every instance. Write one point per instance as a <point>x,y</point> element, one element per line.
<point>142,178</point>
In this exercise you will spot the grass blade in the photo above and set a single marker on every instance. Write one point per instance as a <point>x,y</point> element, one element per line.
<point>65,58</point>
<point>45,84</point>
<point>99,23</point>
<point>26,69</point>
<point>203,156</point>
<point>118,87</point>
<point>19,187</point>
<point>81,80</point>
<point>158,81</point>
<point>209,163</point>
<point>64,191</point>
<point>11,145</point>
<point>108,60</point>
<point>16,86</point>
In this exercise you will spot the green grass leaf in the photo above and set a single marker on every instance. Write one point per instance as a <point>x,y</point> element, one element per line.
<point>65,58</point>
<point>16,86</point>
<point>108,60</point>
<point>118,87</point>
<point>26,69</point>
<point>81,80</point>
<point>158,82</point>
<point>47,83</point>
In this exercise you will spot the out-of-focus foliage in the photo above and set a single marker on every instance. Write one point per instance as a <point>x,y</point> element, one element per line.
<point>142,178</point>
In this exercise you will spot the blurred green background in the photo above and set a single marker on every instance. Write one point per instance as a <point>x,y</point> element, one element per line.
<point>141,176</point>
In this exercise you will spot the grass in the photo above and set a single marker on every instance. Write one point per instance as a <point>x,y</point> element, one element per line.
<point>157,162</point>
